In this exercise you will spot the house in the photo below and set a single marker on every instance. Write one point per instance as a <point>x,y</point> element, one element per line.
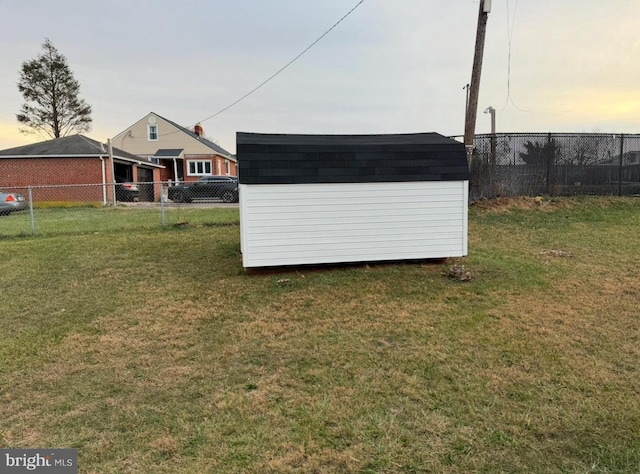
<point>75,168</point>
<point>319,199</point>
<point>185,154</point>
<point>629,158</point>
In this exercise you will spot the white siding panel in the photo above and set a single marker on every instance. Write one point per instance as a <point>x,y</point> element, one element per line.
<point>334,223</point>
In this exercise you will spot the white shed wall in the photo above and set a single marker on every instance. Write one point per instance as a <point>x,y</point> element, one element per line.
<point>298,224</point>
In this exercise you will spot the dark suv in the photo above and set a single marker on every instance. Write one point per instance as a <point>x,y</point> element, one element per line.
<point>207,187</point>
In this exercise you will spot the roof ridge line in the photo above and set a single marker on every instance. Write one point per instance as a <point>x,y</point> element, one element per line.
<point>93,143</point>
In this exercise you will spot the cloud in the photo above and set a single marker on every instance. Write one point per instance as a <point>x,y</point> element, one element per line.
<point>389,67</point>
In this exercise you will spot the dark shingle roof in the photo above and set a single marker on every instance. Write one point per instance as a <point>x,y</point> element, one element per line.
<point>349,140</point>
<point>299,159</point>
<point>168,153</point>
<point>73,145</point>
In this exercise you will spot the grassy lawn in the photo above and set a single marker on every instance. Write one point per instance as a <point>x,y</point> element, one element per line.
<point>58,221</point>
<point>154,351</point>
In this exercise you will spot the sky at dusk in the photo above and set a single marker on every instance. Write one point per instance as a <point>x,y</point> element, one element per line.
<point>391,67</point>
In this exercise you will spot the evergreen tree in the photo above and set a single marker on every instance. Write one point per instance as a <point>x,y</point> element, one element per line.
<point>539,154</point>
<point>52,106</point>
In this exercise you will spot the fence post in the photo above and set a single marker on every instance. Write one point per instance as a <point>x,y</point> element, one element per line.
<point>492,166</point>
<point>162,204</point>
<point>31,215</point>
<point>549,157</point>
<point>620,168</point>
<point>113,172</point>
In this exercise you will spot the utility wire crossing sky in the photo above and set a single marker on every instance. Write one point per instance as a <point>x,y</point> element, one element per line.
<point>390,67</point>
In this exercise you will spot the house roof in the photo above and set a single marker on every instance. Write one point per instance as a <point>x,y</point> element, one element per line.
<point>349,140</point>
<point>72,146</point>
<point>300,159</point>
<point>208,143</point>
<point>168,153</point>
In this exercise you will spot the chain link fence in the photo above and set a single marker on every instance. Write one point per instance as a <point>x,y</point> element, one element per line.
<point>506,164</point>
<point>90,208</point>
<point>530,164</point>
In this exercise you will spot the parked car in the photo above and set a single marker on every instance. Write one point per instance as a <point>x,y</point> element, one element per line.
<point>207,187</point>
<point>11,202</point>
<point>126,192</point>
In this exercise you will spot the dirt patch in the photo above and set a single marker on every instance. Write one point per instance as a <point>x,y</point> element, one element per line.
<point>554,254</point>
<point>458,272</point>
<point>507,204</point>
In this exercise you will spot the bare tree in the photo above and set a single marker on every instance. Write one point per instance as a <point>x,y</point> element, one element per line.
<point>590,149</point>
<point>52,106</point>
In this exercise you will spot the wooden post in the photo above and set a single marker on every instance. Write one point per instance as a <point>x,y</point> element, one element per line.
<point>474,90</point>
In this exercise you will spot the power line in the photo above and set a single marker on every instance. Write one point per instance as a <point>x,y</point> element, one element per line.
<point>265,82</point>
<point>510,27</point>
<point>270,78</point>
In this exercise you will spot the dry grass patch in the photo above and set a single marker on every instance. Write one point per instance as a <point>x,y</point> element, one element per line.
<point>529,367</point>
<point>520,203</point>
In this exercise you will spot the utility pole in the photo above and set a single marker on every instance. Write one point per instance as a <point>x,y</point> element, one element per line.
<point>466,104</point>
<point>474,90</point>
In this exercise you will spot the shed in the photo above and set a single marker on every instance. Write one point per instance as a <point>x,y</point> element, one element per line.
<point>319,199</point>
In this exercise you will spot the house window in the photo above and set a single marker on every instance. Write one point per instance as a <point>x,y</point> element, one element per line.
<point>227,167</point>
<point>153,132</point>
<point>199,168</point>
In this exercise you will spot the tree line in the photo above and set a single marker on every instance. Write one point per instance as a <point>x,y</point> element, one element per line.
<point>555,149</point>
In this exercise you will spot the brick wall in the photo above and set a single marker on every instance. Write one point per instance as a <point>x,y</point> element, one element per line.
<point>24,172</point>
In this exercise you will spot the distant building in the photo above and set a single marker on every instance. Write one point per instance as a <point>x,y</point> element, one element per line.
<point>60,167</point>
<point>185,154</point>
<point>628,158</point>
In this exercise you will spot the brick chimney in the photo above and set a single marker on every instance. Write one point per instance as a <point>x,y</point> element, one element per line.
<point>198,130</point>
